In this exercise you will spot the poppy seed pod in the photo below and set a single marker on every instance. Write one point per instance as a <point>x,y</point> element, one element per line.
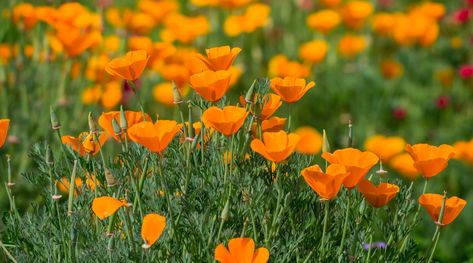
<point>116,127</point>
<point>111,181</point>
<point>92,124</point>
<point>123,121</point>
<point>176,94</point>
<point>55,124</point>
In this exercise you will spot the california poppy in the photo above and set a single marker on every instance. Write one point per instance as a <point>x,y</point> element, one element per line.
<point>211,85</point>
<point>281,66</point>
<point>404,164</point>
<point>4,124</point>
<point>324,20</point>
<point>255,16</point>
<point>385,147</point>
<point>156,137</point>
<point>227,120</point>
<point>276,146</point>
<point>430,160</point>
<point>272,124</point>
<point>85,142</point>
<point>152,228</point>
<point>433,203</point>
<point>268,107</point>
<point>379,195</point>
<point>241,250</point>
<point>326,184</point>
<point>290,89</point>
<point>220,58</point>
<point>90,182</point>
<point>313,51</point>
<point>351,45</point>
<point>132,118</point>
<point>358,163</point>
<point>75,41</point>
<point>354,13</point>
<point>310,142</point>
<point>106,206</point>
<point>129,67</point>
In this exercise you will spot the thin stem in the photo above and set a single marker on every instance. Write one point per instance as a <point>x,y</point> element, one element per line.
<point>133,87</point>
<point>432,252</point>
<point>345,223</point>
<point>168,197</point>
<point>322,242</point>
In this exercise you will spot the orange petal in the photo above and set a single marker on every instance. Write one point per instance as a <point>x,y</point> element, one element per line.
<point>152,228</point>
<point>105,206</point>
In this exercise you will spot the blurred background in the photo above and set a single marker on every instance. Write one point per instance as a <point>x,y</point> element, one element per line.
<point>396,68</point>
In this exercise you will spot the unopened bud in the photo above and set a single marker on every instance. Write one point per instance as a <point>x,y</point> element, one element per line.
<point>116,127</point>
<point>249,93</point>
<point>49,156</point>
<point>92,124</point>
<point>55,124</point>
<point>225,211</point>
<point>111,181</point>
<point>325,144</point>
<point>176,94</point>
<point>123,121</point>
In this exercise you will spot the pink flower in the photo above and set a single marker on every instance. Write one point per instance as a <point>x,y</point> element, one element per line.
<point>399,113</point>
<point>462,16</point>
<point>442,102</point>
<point>466,71</point>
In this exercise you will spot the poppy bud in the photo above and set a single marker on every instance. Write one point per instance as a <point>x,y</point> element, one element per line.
<point>176,94</point>
<point>92,124</point>
<point>49,156</point>
<point>325,143</point>
<point>191,129</point>
<point>249,94</point>
<point>111,181</point>
<point>123,121</point>
<point>55,124</point>
<point>116,127</point>
<point>225,210</point>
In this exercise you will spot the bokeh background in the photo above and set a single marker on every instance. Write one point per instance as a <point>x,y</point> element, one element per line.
<point>396,68</point>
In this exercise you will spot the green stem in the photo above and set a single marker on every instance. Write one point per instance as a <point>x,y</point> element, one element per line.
<point>133,87</point>
<point>140,188</point>
<point>432,252</point>
<point>345,223</point>
<point>168,198</point>
<point>72,188</point>
<point>322,242</point>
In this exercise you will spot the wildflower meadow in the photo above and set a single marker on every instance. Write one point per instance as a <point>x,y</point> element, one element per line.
<point>236,131</point>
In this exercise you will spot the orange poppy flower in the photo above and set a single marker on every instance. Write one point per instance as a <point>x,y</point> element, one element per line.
<point>25,13</point>
<point>227,120</point>
<point>270,105</point>
<point>310,142</point>
<point>326,184</point>
<point>152,228</point>
<point>385,147</point>
<point>351,45</point>
<point>433,203</point>
<point>290,89</point>
<point>379,195</point>
<point>63,184</point>
<point>391,69</point>
<point>4,124</point>
<point>464,151</point>
<point>358,163</point>
<point>211,85</point>
<point>281,66</point>
<point>255,16</point>
<point>241,250</point>
<point>129,67</point>
<point>75,41</point>
<point>276,146</point>
<point>383,23</point>
<point>324,20</point>
<point>354,13</point>
<point>183,28</point>
<point>430,160</point>
<point>313,51</point>
<point>220,58</point>
<point>156,137</point>
<point>106,206</point>
<point>85,143</point>
<point>404,164</point>
<point>132,118</point>
<point>273,124</point>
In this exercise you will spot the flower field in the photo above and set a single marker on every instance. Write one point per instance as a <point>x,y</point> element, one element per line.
<point>236,131</point>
